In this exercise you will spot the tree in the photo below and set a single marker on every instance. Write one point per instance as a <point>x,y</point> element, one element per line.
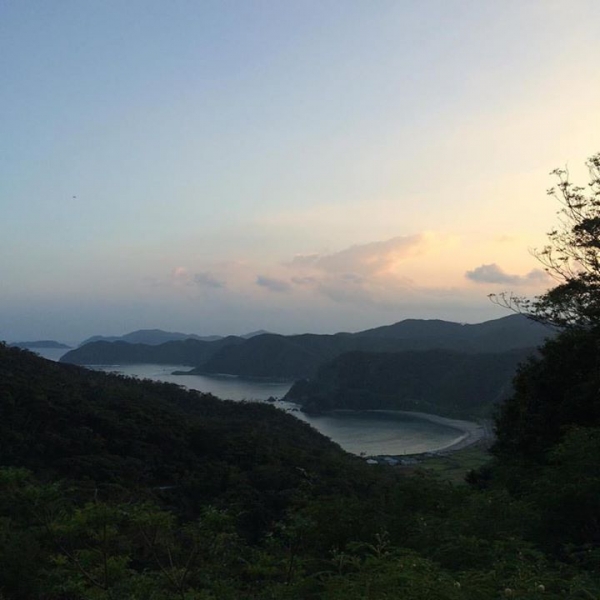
<point>559,388</point>
<point>552,393</point>
<point>571,258</point>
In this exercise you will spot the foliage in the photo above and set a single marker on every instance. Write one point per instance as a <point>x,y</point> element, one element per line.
<point>572,257</point>
<point>548,432</point>
<point>104,550</point>
<point>554,391</point>
<point>568,494</point>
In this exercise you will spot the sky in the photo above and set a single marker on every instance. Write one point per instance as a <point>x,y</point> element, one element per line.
<point>217,167</point>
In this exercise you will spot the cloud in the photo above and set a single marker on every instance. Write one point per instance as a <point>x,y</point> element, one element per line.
<point>366,260</point>
<point>208,280</point>
<point>344,291</point>
<point>305,280</point>
<point>420,270</point>
<point>272,284</point>
<point>179,272</point>
<point>371,273</point>
<point>537,276</point>
<point>492,273</point>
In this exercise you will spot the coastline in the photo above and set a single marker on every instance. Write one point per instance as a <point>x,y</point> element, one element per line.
<point>471,433</point>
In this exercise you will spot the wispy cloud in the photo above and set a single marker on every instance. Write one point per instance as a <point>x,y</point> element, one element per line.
<point>364,260</point>
<point>406,275</point>
<point>272,284</point>
<point>369,273</point>
<point>208,280</point>
<point>493,274</point>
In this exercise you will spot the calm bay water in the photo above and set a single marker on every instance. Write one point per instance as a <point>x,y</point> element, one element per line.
<point>365,432</point>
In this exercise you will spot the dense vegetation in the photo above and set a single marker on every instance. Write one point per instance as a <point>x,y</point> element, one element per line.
<point>437,381</point>
<point>549,429</point>
<point>62,421</point>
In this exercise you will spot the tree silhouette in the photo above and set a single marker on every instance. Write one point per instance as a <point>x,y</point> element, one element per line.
<point>571,258</point>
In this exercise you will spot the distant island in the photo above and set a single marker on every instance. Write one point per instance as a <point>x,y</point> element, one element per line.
<point>155,337</point>
<point>40,344</point>
<point>152,337</point>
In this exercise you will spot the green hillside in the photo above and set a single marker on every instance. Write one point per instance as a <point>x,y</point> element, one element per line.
<point>436,381</point>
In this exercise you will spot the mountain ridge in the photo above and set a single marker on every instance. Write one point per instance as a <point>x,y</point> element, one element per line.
<point>270,355</point>
<point>151,337</point>
<point>155,337</point>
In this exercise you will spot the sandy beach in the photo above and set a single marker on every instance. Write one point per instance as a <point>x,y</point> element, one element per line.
<point>471,432</point>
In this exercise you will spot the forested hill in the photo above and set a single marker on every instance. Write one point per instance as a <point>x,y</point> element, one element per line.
<point>442,382</point>
<point>66,421</point>
<point>497,335</point>
<point>185,352</point>
<point>299,356</point>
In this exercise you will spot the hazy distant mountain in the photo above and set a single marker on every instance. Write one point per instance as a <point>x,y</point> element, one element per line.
<point>189,352</point>
<point>41,344</point>
<point>266,355</point>
<point>252,334</point>
<point>290,357</point>
<point>443,382</point>
<point>513,331</point>
<point>270,355</point>
<point>299,356</point>
<point>152,337</point>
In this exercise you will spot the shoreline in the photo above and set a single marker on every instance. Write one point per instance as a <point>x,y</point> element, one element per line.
<point>471,433</point>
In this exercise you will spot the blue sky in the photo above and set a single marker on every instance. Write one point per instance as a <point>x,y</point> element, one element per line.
<point>219,167</point>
